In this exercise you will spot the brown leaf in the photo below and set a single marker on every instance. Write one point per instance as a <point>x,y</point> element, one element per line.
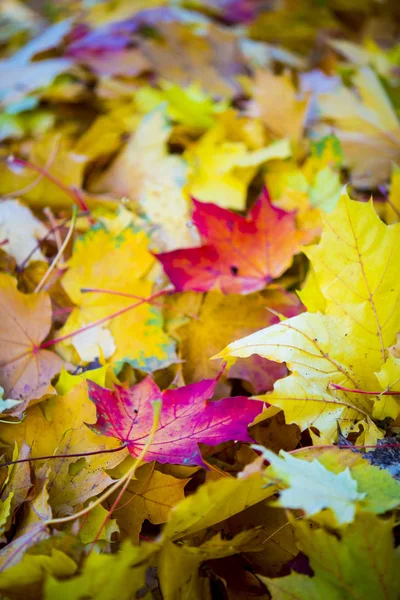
<point>25,321</point>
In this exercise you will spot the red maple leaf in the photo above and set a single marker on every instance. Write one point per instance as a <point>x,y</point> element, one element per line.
<point>240,254</point>
<point>187,418</point>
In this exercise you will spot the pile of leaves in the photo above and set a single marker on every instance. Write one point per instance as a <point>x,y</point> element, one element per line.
<point>199,300</point>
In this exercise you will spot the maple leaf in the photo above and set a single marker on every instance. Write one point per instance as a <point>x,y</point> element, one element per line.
<point>241,255</point>
<point>27,577</point>
<point>66,166</point>
<point>159,193</point>
<point>367,126</point>
<point>216,501</point>
<point>226,158</point>
<point>62,428</point>
<point>216,321</point>
<point>21,230</point>
<point>311,188</point>
<point>361,564</point>
<point>26,369</point>
<point>189,106</point>
<point>188,581</point>
<point>151,496</point>
<point>102,576</point>
<point>381,491</point>
<point>120,263</point>
<point>276,103</point>
<point>360,292</point>
<point>361,280</point>
<point>187,418</point>
<point>312,487</point>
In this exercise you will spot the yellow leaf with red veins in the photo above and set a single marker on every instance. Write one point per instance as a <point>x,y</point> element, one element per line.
<point>121,265</point>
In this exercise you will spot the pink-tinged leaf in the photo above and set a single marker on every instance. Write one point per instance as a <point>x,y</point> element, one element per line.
<point>187,419</point>
<point>260,372</point>
<point>240,254</point>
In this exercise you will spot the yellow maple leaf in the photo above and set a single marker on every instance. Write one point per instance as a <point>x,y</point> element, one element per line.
<point>221,165</point>
<point>392,206</point>
<point>121,264</point>
<point>367,126</point>
<point>57,156</point>
<point>147,174</point>
<point>319,350</point>
<point>355,268</point>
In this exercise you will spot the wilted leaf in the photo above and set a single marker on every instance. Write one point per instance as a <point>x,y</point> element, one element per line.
<point>151,496</point>
<point>25,321</point>
<point>216,501</point>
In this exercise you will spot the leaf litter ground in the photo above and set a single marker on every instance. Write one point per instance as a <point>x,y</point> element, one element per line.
<point>199,300</point>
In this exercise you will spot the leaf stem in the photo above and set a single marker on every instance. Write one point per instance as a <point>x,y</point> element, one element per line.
<point>21,266</point>
<point>113,293</point>
<point>100,321</point>
<point>71,192</point>
<point>59,253</point>
<point>157,405</point>
<point>51,456</point>
<point>335,386</point>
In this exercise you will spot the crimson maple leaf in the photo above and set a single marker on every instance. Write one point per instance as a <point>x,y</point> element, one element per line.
<point>240,254</point>
<point>187,418</point>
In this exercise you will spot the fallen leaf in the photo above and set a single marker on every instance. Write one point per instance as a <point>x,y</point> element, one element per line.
<point>27,577</point>
<point>360,320</point>
<point>61,428</point>
<point>240,255</point>
<point>56,155</point>
<point>216,501</point>
<point>361,562</point>
<point>225,160</point>
<point>151,496</point>
<point>159,193</point>
<point>101,576</point>
<point>360,282</point>
<point>382,491</point>
<point>276,103</point>
<point>216,320</point>
<point>127,414</point>
<point>319,350</point>
<point>25,321</point>
<point>367,126</point>
<point>98,526</point>
<point>120,265</point>
<point>20,242</point>
<point>312,487</point>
